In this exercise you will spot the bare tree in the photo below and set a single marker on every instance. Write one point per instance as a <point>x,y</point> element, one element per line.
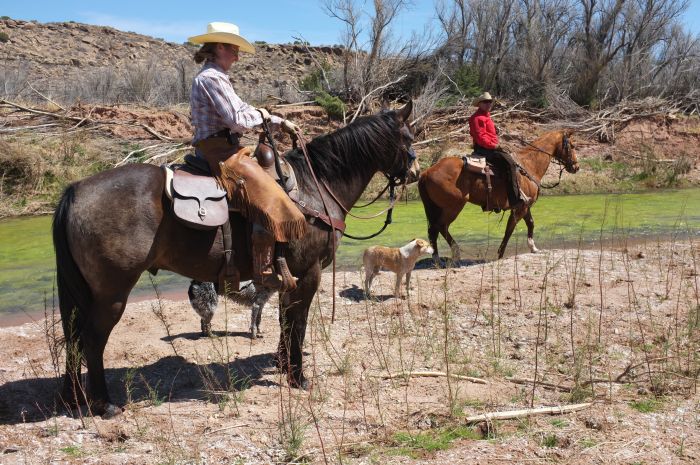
<point>347,12</point>
<point>541,29</point>
<point>599,38</point>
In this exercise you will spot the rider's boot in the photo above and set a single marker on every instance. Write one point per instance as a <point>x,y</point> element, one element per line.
<point>515,199</point>
<point>264,273</point>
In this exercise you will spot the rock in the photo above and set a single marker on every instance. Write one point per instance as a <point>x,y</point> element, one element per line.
<point>595,423</point>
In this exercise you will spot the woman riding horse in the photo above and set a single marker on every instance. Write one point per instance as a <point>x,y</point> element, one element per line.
<point>219,118</point>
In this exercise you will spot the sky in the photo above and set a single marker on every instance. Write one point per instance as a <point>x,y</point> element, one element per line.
<point>273,21</point>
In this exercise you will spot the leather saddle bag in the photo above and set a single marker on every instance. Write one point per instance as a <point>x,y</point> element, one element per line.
<point>198,201</point>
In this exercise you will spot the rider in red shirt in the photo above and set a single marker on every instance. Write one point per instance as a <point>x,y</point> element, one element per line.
<point>485,139</point>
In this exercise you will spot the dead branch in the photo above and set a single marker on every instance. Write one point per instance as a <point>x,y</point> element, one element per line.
<point>430,374</point>
<point>436,139</point>
<point>361,104</point>
<point>81,121</point>
<point>512,414</point>
<point>313,57</point>
<point>542,384</point>
<point>207,433</point>
<point>45,97</point>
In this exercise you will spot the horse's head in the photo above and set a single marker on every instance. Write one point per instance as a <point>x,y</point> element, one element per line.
<point>405,167</point>
<point>566,152</point>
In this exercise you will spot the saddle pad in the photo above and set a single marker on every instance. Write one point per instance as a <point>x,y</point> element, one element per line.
<point>198,201</point>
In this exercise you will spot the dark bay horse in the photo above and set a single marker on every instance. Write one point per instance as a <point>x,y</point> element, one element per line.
<point>113,226</point>
<point>445,188</point>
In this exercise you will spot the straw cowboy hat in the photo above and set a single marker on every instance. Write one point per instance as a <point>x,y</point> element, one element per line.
<point>224,33</point>
<point>481,98</point>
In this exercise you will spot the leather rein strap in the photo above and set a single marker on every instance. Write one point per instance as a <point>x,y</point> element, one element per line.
<point>302,144</point>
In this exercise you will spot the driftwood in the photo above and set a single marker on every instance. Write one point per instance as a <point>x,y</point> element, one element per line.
<point>528,412</point>
<point>471,379</point>
<point>84,121</point>
<point>430,374</point>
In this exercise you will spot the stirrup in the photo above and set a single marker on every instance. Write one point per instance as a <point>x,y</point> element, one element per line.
<point>289,282</point>
<point>269,279</point>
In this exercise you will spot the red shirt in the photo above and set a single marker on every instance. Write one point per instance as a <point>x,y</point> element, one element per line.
<point>482,130</point>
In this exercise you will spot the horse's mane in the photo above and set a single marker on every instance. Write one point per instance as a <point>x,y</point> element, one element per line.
<point>349,151</point>
<point>548,137</point>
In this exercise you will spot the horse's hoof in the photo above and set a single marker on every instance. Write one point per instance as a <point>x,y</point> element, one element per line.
<point>111,411</point>
<point>304,384</point>
<point>105,410</point>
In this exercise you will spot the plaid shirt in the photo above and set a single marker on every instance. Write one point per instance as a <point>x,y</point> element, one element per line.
<point>215,105</point>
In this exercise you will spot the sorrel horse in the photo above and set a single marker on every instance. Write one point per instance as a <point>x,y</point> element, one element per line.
<point>113,226</point>
<point>446,187</point>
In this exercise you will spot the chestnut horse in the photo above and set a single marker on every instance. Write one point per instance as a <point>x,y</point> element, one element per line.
<point>446,187</point>
<point>113,226</point>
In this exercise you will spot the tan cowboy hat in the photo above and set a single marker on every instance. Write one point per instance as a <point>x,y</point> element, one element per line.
<point>224,33</point>
<point>481,98</point>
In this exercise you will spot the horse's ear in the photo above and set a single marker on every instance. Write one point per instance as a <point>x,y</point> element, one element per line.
<point>404,112</point>
<point>568,132</point>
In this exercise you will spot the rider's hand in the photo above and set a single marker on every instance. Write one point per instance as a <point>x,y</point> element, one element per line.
<point>264,113</point>
<point>289,127</point>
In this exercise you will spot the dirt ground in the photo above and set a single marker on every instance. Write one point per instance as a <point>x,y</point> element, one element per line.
<point>192,399</point>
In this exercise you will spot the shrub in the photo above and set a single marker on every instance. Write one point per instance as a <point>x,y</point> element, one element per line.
<point>314,81</point>
<point>4,37</point>
<point>333,106</point>
<point>467,79</point>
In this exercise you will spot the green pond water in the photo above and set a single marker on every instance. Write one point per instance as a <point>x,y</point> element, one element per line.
<point>27,268</point>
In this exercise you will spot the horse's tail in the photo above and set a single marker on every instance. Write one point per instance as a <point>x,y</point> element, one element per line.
<point>74,296</point>
<point>432,210</point>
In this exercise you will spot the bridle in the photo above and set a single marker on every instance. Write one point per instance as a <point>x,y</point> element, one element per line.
<point>563,164</point>
<point>394,180</point>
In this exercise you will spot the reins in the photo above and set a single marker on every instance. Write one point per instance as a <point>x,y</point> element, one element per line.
<point>391,185</point>
<point>552,158</point>
<point>302,144</point>
<point>387,221</point>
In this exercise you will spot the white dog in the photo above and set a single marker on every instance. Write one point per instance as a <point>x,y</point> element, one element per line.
<point>399,260</point>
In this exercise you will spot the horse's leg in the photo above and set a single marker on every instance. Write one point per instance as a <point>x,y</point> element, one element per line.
<point>512,221</point>
<point>433,231</point>
<point>104,315</point>
<point>530,230</point>
<point>72,383</point>
<point>294,312</point>
<point>454,246</point>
